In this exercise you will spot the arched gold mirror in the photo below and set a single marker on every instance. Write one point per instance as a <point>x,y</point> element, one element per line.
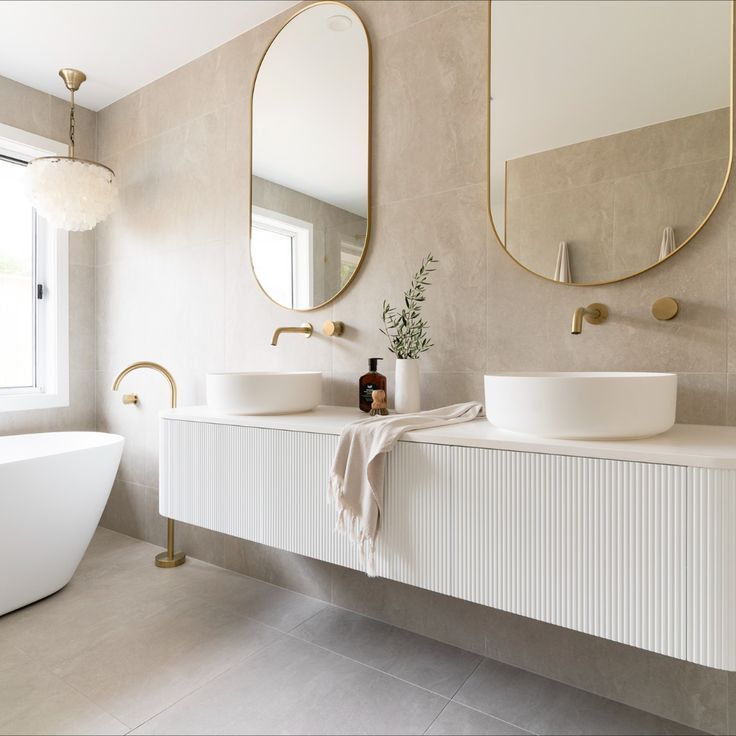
<point>310,157</point>
<point>610,131</point>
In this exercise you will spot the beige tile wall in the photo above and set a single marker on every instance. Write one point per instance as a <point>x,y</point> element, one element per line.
<point>610,198</point>
<point>42,114</point>
<point>174,285</point>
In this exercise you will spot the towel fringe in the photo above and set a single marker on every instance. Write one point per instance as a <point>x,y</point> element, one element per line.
<point>350,524</point>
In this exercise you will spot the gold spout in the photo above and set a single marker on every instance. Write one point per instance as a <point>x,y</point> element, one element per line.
<point>593,314</point>
<point>306,330</point>
<point>153,366</point>
<point>170,558</point>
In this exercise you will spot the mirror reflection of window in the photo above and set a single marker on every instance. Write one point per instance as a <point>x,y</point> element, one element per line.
<point>350,254</point>
<point>282,255</point>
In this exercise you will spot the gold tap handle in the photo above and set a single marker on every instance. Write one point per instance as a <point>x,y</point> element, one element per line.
<point>333,329</point>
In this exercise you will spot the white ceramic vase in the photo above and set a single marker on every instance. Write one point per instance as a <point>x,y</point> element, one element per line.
<point>407,397</point>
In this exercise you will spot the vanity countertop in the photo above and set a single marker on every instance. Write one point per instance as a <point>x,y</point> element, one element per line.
<point>694,445</point>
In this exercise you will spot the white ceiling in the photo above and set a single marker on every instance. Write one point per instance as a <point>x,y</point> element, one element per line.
<point>568,71</point>
<point>120,45</point>
<point>310,110</point>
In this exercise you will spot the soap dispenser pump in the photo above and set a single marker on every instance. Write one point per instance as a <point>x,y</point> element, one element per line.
<point>370,382</point>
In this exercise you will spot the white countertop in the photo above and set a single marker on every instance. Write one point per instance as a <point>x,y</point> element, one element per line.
<point>694,445</point>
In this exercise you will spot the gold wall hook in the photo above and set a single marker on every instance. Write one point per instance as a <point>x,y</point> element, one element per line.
<point>170,558</point>
<point>333,329</point>
<point>665,308</point>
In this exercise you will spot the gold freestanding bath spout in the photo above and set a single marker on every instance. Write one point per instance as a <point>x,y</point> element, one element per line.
<point>170,558</point>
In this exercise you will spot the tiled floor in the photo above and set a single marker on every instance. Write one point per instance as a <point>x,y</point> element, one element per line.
<point>126,647</point>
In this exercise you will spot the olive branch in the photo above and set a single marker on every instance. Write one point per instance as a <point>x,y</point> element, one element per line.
<point>407,330</point>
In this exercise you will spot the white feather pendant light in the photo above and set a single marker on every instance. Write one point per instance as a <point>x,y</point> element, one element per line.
<point>71,193</point>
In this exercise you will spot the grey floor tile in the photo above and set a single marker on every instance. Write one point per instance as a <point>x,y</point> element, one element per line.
<point>279,608</point>
<point>431,664</point>
<point>138,672</point>
<point>457,720</point>
<point>544,706</point>
<point>33,701</point>
<point>297,688</point>
<point>92,606</point>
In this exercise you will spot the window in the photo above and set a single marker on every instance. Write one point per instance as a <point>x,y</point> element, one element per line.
<point>17,277</point>
<point>281,249</point>
<point>33,286</point>
<point>350,254</point>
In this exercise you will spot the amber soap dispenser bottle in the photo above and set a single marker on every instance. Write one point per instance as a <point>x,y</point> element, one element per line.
<point>370,382</point>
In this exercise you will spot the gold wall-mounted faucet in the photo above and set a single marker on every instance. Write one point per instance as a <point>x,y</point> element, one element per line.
<point>170,558</point>
<point>306,329</point>
<point>594,314</point>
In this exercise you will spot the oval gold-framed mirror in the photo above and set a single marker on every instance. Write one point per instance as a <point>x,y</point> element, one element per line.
<point>310,162</point>
<point>610,131</point>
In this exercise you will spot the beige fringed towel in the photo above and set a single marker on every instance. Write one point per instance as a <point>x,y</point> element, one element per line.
<point>356,478</point>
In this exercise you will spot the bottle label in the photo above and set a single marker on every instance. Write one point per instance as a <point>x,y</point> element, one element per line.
<point>367,393</point>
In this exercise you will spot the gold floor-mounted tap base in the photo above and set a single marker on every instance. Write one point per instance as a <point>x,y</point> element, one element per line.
<point>163,560</point>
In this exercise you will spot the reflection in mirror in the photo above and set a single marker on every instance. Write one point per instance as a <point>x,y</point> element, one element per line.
<point>610,130</point>
<point>310,168</point>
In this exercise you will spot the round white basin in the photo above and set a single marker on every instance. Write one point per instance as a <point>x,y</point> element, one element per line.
<point>264,393</point>
<point>582,406</point>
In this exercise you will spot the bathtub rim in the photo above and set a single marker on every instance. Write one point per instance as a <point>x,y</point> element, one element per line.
<point>16,448</point>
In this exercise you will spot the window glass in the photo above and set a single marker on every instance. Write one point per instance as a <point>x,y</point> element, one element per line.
<point>17,299</point>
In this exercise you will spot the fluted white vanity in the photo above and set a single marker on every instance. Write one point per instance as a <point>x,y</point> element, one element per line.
<point>634,541</point>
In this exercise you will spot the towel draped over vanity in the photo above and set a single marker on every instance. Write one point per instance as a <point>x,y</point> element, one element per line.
<point>357,475</point>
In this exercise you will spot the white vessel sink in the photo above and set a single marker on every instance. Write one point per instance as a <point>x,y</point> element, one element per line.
<point>582,406</point>
<point>264,393</point>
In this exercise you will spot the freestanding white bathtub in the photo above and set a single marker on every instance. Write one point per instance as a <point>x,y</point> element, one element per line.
<point>53,489</point>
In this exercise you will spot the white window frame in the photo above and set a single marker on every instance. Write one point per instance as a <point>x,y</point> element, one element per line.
<point>302,261</point>
<point>51,264</point>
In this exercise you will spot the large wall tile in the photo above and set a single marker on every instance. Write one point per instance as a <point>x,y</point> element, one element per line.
<point>452,226</point>
<point>430,114</point>
<point>81,317</point>
<point>27,109</point>
<point>133,510</point>
<point>385,17</point>
<point>680,197</point>
<point>700,398</point>
<point>119,126</point>
<point>529,318</point>
<point>582,217</point>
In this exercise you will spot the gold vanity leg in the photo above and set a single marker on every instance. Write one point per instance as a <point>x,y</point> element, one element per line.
<point>170,558</point>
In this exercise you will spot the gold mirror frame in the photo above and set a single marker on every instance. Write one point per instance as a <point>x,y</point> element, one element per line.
<point>501,242</point>
<point>370,155</point>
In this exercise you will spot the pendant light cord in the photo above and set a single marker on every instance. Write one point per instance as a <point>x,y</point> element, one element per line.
<point>71,127</point>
